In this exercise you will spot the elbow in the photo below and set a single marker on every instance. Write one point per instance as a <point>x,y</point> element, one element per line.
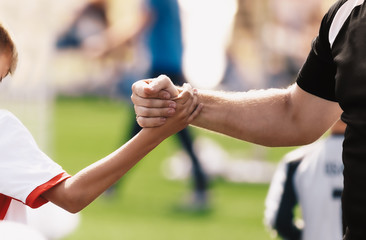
<point>302,131</point>
<point>310,139</point>
<point>286,138</point>
<point>73,203</point>
<point>70,199</point>
<point>74,209</point>
<point>306,135</point>
<point>304,139</point>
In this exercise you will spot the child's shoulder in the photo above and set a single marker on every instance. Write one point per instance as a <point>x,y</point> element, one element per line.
<point>7,117</point>
<point>6,114</point>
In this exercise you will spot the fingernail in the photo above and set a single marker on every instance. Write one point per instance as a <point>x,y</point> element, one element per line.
<point>172,105</point>
<point>171,111</point>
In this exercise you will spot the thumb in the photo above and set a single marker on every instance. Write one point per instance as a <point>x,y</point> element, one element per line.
<point>162,83</point>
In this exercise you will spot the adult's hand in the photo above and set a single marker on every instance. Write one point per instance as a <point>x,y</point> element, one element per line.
<point>154,100</point>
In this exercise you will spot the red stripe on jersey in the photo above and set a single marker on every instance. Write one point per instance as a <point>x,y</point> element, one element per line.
<point>4,205</point>
<point>35,200</point>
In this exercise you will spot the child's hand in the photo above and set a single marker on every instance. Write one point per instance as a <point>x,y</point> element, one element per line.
<point>187,109</point>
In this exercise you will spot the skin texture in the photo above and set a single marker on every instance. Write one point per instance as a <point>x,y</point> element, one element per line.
<point>272,117</point>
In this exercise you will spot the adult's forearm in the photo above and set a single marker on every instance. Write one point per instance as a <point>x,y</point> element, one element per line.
<point>272,117</point>
<point>242,115</point>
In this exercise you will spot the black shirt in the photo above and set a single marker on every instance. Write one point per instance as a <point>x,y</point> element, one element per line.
<point>336,70</point>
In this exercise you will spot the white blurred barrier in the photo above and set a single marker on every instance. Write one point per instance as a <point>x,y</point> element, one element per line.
<point>207,29</point>
<point>52,221</point>
<point>17,231</point>
<point>218,163</point>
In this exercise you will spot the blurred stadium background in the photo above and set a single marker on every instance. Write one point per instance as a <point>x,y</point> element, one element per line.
<point>70,104</point>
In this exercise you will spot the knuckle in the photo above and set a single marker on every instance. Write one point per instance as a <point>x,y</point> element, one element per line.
<point>164,77</point>
<point>137,110</point>
<point>139,120</point>
<point>134,86</point>
<point>148,122</point>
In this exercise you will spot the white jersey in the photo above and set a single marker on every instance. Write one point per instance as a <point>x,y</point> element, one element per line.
<point>311,176</point>
<point>25,171</point>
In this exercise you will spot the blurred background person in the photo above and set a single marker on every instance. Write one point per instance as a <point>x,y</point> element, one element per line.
<point>81,48</point>
<point>287,30</point>
<point>164,45</point>
<point>89,20</point>
<point>310,177</point>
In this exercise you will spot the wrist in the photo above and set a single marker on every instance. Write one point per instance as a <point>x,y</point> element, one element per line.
<point>153,135</point>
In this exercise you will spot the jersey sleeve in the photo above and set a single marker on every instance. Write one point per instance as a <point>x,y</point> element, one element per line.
<point>317,75</point>
<point>25,171</point>
<point>281,198</point>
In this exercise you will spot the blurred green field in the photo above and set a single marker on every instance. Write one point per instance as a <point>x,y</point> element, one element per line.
<point>145,204</point>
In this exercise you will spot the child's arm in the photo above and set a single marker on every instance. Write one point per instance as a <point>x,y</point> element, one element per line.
<point>77,192</point>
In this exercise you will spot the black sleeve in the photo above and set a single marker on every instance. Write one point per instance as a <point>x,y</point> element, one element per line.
<point>284,221</point>
<point>317,75</point>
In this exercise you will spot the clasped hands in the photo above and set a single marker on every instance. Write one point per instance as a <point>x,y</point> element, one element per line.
<point>157,101</point>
